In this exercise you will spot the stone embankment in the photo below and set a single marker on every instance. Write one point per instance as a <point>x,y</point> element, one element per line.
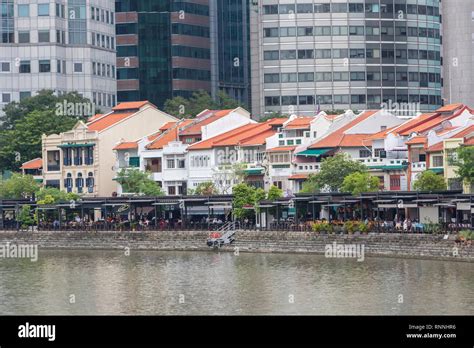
<point>388,245</point>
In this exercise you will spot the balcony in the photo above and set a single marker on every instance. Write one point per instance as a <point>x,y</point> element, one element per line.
<point>418,166</point>
<point>384,163</point>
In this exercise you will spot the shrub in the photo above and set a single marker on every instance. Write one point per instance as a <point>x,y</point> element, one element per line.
<point>466,235</point>
<point>363,227</point>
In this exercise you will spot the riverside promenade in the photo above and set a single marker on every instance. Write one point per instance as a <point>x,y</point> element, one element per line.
<point>401,245</point>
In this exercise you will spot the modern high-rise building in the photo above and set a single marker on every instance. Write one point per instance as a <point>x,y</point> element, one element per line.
<point>172,48</point>
<point>163,49</point>
<point>335,54</point>
<point>458,51</point>
<point>62,45</point>
<point>230,48</point>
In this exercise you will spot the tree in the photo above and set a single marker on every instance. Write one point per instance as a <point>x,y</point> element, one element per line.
<point>310,185</point>
<point>51,195</point>
<point>465,164</point>
<point>332,173</point>
<point>24,217</point>
<point>225,176</point>
<point>26,121</point>
<point>359,182</point>
<point>244,197</point>
<point>429,181</point>
<point>206,189</point>
<point>199,101</point>
<point>18,186</point>
<point>139,183</point>
<point>274,193</point>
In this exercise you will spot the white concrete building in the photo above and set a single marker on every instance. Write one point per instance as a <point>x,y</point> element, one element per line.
<point>60,45</point>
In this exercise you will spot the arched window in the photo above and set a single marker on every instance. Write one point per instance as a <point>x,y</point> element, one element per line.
<point>90,182</point>
<point>68,182</point>
<point>79,183</point>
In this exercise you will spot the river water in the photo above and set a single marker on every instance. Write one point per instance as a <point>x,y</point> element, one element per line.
<point>208,283</point>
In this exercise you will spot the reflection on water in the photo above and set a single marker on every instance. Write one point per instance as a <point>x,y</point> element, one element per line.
<point>166,283</point>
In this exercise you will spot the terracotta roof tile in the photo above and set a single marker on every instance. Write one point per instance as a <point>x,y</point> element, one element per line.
<point>450,107</point>
<point>107,121</point>
<point>465,132</point>
<point>282,149</point>
<point>126,146</point>
<point>419,139</point>
<point>130,105</point>
<point>163,139</point>
<point>299,123</point>
<point>338,138</point>
<point>249,134</point>
<point>436,147</point>
<point>36,163</point>
<point>95,117</point>
<point>299,177</point>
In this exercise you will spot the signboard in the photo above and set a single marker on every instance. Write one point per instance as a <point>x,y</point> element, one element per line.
<point>463,206</point>
<point>403,183</point>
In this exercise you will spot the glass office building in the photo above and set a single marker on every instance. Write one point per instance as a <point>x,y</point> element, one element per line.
<point>163,49</point>
<point>61,45</point>
<point>335,54</point>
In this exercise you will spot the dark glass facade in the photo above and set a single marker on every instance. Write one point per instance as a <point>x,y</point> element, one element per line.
<point>163,49</point>
<point>233,48</point>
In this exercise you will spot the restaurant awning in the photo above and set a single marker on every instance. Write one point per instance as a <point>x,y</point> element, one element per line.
<point>313,152</point>
<point>437,170</point>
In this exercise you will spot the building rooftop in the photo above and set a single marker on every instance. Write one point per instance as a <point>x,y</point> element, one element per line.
<point>36,163</point>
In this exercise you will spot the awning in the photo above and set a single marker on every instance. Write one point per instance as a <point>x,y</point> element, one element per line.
<point>254,171</point>
<point>64,146</point>
<point>399,167</point>
<point>437,170</point>
<point>313,152</point>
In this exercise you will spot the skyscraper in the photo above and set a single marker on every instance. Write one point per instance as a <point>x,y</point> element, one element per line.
<point>336,54</point>
<point>163,49</point>
<point>230,48</point>
<point>62,45</point>
<point>458,51</point>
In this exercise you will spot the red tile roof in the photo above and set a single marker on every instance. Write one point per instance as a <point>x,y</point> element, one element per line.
<point>249,134</point>
<point>450,107</point>
<point>107,121</point>
<point>131,105</point>
<point>95,117</point>
<point>381,134</point>
<point>462,134</point>
<point>163,139</point>
<point>196,128</point>
<point>338,138</point>
<point>167,126</point>
<point>282,149</point>
<point>419,139</point>
<point>126,146</point>
<point>299,123</point>
<point>36,163</point>
<point>299,177</point>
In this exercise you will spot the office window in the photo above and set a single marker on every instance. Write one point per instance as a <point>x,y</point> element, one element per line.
<point>306,100</point>
<point>288,54</point>
<point>6,98</point>
<point>4,67</point>
<point>322,8</point>
<point>306,77</point>
<point>43,35</point>
<point>288,31</point>
<point>272,101</point>
<point>341,99</point>
<point>305,54</point>
<point>23,10</point>
<point>323,54</point>
<point>78,67</point>
<point>287,9</point>
<point>272,78</point>
<point>44,66</point>
<point>43,9</point>
<point>305,31</point>
<point>24,95</point>
<point>304,8</point>
<point>25,67</point>
<point>23,37</point>
<point>288,77</point>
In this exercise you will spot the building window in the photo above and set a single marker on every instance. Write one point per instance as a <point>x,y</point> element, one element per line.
<point>24,95</point>
<point>23,10</point>
<point>170,164</point>
<point>4,67</point>
<point>43,9</point>
<point>78,67</point>
<point>43,35</point>
<point>25,67</point>
<point>90,182</point>
<point>438,161</point>
<point>6,98</point>
<point>44,66</point>
<point>171,190</point>
<point>79,183</point>
<point>364,153</point>
<point>23,37</point>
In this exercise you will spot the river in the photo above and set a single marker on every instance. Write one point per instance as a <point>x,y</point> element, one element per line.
<point>209,283</point>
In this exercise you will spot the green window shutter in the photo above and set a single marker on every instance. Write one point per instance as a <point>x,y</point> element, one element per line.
<point>134,162</point>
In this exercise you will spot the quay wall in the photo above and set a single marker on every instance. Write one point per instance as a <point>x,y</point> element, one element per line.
<point>385,245</point>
